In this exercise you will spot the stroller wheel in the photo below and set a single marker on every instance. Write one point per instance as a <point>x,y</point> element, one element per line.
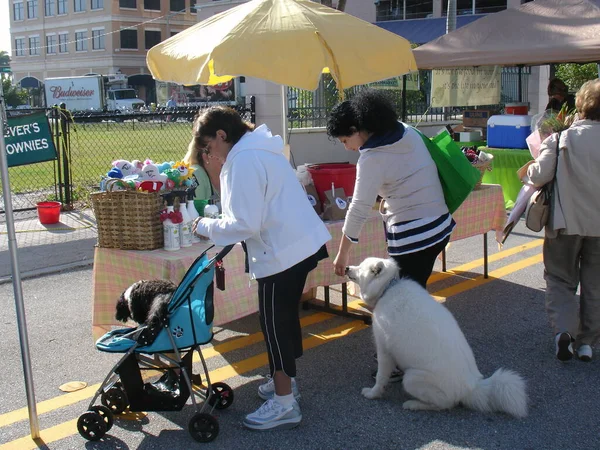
<point>222,396</point>
<point>105,413</point>
<point>203,427</point>
<point>115,400</point>
<point>91,426</point>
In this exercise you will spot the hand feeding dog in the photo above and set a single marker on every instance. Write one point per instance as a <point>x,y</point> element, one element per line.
<point>421,337</point>
<point>145,301</point>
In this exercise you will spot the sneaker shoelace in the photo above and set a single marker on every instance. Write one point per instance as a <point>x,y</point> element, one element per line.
<point>267,407</point>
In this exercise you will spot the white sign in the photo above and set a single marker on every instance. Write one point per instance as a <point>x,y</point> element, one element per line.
<point>466,86</point>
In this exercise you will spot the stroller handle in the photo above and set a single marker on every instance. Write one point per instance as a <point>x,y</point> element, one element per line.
<point>219,256</point>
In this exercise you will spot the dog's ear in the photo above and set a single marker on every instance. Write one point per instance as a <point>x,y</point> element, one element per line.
<point>123,312</point>
<point>377,268</point>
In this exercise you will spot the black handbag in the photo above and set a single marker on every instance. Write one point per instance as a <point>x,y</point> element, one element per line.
<point>538,208</point>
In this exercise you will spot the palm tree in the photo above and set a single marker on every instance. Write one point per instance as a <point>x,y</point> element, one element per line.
<point>4,58</point>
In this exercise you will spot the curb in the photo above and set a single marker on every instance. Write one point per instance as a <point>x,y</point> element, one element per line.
<point>49,270</point>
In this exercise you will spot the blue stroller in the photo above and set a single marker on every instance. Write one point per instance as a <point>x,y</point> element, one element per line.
<point>168,348</point>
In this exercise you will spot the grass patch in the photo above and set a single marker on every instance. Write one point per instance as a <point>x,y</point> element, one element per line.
<point>94,146</point>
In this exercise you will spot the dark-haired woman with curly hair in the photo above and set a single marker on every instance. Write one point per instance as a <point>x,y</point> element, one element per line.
<point>395,164</point>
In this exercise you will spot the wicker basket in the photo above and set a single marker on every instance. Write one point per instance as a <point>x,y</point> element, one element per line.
<point>482,167</point>
<point>128,220</point>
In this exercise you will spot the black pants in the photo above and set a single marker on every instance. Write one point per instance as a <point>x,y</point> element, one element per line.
<point>278,303</point>
<point>419,265</point>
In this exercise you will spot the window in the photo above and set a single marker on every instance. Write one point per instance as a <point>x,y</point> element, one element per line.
<point>478,6</point>
<point>396,9</point>
<point>32,8</point>
<point>173,33</point>
<point>51,44</point>
<point>81,41</point>
<point>128,4</point>
<point>18,11</point>
<point>98,39</point>
<point>129,39</point>
<point>63,38</point>
<point>152,38</point>
<point>152,5</point>
<point>177,5</point>
<point>20,47</point>
<point>97,4</point>
<point>62,7</point>
<point>34,45</point>
<point>78,5</point>
<point>50,7</point>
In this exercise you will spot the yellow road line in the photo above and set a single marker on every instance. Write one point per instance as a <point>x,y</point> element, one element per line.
<point>459,288</point>
<point>69,428</point>
<point>438,276</point>
<point>255,361</point>
<point>254,338</point>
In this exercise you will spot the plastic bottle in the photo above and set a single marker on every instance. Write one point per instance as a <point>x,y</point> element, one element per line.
<point>185,227</point>
<point>211,210</point>
<point>170,229</point>
<point>192,212</point>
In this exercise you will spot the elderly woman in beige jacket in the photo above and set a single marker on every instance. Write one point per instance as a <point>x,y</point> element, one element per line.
<point>572,241</point>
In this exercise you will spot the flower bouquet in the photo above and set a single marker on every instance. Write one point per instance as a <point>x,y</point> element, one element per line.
<point>482,161</point>
<point>547,123</point>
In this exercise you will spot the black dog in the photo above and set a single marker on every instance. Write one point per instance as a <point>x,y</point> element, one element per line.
<point>145,301</point>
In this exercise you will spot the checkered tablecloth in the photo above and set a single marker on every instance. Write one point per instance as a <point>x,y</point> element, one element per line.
<point>482,211</point>
<point>115,270</point>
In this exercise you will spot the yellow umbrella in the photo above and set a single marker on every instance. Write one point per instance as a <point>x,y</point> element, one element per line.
<point>289,42</point>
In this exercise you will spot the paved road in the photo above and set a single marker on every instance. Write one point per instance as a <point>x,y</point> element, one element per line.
<point>503,318</point>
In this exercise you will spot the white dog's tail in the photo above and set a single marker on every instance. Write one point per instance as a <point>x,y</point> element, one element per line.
<point>504,391</point>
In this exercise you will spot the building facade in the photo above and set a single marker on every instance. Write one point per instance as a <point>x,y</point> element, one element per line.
<point>60,38</point>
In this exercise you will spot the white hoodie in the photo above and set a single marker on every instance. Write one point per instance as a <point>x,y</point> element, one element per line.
<point>265,205</point>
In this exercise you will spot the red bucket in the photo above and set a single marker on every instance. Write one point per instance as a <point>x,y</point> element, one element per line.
<point>48,212</point>
<point>342,175</point>
<point>519,109</point>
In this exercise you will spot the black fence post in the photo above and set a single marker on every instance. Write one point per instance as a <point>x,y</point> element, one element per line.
<point>66,152</point>
<point>55,119</point>
<point>252,109</point>
<point>404,98</point>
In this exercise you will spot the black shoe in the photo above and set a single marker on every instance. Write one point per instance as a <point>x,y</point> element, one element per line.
<point>564,347</point>
<point>167,385</point>
<point>395,377</point>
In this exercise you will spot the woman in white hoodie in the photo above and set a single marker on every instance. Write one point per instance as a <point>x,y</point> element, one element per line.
<point>265,206</point>
<point>572,242</point>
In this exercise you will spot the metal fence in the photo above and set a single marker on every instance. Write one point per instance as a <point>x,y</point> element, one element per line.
<point>308,109</point>
<point>88,143</point>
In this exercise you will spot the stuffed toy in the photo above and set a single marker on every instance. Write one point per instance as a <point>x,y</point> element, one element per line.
<point>150,173</point>
<point>163,167</point>
<point>125,167</point>
<point>186,173</point>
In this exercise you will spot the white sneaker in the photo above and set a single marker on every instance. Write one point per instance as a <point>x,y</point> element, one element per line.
<point>564,346</point>
<point>584,352</point>
<point>266,390</point>
<point>272,415</point>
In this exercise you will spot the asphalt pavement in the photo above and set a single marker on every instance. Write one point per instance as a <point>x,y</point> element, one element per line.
<point>503,318</point>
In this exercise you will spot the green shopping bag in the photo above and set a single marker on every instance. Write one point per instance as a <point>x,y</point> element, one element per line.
<point>457,175</point>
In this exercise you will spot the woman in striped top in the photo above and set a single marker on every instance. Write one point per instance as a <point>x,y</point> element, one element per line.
<point>395,164</point>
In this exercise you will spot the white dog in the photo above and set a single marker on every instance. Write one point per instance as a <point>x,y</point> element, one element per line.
<point>421,337</point>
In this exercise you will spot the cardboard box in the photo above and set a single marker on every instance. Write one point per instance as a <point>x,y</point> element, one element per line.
<point>477,117</point>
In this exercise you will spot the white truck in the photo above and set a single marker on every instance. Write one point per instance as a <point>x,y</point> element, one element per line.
<point>92,93</point>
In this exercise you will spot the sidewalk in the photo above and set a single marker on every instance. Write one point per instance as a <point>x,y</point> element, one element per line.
<point>50,248</point>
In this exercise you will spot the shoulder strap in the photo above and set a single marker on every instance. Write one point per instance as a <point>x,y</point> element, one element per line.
<point>557,153</point>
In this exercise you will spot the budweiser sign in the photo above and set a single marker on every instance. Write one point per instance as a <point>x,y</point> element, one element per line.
<point>58,92</point>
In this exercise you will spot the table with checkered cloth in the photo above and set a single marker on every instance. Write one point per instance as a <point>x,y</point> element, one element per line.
<point>115,270</point>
